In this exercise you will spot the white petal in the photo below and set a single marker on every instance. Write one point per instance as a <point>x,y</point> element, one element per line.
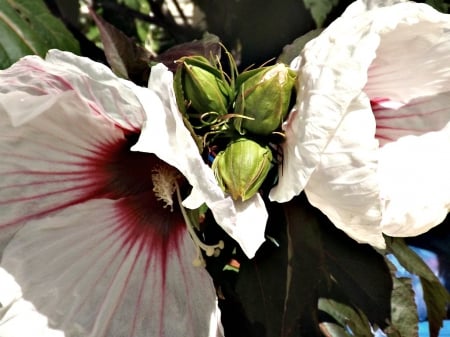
<point>64,175</point>
<point>413,58</point>
<point>336,167</point>
<point>165,135</point>
<point>345,186</point>
<point>332,74</point>
<point>96,85</point>
<point>51,161</point>
<point>415,183</point>
<point>92,272</point>
<point>22,319</point>
<point>419,116</point>
<point>251,224</point>
<point>10,290</point>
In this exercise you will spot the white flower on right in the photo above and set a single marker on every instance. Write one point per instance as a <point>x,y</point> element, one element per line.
<point>369,138</point>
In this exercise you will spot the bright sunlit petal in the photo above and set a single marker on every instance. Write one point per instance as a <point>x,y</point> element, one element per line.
<point>251,224</point>
<point>22,319</point>
<point>350,197</point>
<point>332,73</point>
<point>412,58</point>
<point>397,58</point>
<point>415,183</point>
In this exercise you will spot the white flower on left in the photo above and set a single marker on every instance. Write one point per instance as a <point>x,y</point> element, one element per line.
<point>82,232</point>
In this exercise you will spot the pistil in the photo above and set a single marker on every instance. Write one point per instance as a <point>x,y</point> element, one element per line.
<point>210,250</point>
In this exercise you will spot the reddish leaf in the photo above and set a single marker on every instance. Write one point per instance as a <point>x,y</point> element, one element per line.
<point>126,58</point>
<point>207,47</point>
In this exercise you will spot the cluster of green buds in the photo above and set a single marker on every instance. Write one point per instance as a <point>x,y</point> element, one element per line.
<point>242,108</point>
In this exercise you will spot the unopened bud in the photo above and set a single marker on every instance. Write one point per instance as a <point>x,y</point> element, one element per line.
<point>242,168</point>
<point>202,86</point>
<point>263,97</point>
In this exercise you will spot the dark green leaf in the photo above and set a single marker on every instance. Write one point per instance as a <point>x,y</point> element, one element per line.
<point>280,288</point>
<point>320,9</point>
<point>404,317</point>
<point>27,27</point>
<point>308,276</point>
<point>436,298</point>
<point>345,270</point>
<point>408,258</point>
<point>208,46</point>
<point>347,317</point>
<point>293,50</point>
<point>261,286</point>
<point>439,5</point>
<point>435,295</point>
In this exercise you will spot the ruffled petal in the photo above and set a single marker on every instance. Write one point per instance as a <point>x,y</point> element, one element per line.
<point>93,82</point>
<point>345,185</point>
<point>409,90</point>
<point>413,55</point>
<point>165,135</point>
<point>363,54</point>
<point>332,73</point>
<point>415,183</point>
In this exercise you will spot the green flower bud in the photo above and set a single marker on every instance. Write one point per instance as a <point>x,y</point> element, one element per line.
<point>264,96</point>
<point>242,168</point>
<point>200,85</point>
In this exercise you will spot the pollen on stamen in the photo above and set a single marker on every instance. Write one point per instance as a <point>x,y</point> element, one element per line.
<point>164,180</point>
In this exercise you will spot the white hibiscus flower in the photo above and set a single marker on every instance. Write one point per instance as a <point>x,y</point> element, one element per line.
<point>369,139</point>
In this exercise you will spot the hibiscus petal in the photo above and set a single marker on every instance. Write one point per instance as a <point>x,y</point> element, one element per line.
<point>415,183</point>
<point>85,237</point>
<point>345,185</point>
<point>17,316</point>
<point>332,73</point>
<point>413,55</point>
<point>409,90</point>
<point>45,164</point>
<point>22,319</point>
<point>98,87</point>
<point>426,114</point>
<point>165,135</point>
<point>103,269</point>
<point>335,167</point>
<point>250,224</point>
